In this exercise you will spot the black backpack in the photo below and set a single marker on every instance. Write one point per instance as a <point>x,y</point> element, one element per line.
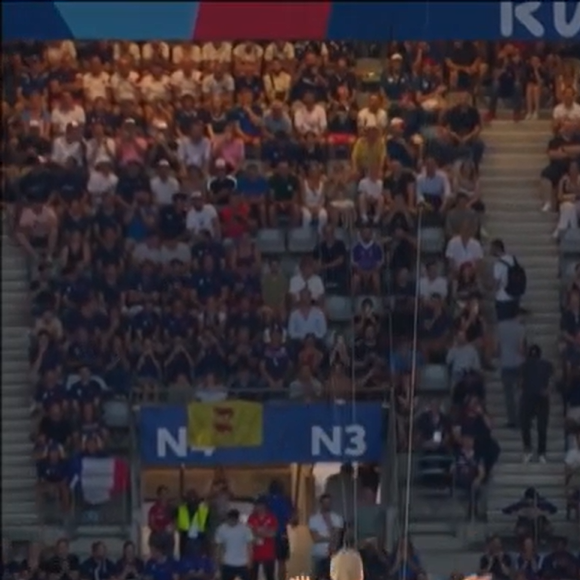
<point>517,280</point>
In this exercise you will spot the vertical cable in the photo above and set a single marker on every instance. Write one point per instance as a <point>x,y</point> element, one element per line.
<point>353,404</point>
<point>407,502</point>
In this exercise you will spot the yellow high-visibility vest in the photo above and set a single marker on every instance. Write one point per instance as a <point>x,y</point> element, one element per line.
<point>185,522</point>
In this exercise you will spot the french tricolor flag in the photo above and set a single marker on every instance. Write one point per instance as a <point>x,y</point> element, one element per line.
<point>100,478</point>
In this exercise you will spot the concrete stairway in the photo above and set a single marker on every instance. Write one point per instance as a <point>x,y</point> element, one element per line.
<point>20,519</point>
<point>510,173</point>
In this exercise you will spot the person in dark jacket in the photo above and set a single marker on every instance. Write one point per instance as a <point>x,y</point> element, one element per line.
<point>532,511</point>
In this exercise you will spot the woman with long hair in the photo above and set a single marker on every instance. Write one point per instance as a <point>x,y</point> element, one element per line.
<point>569,200</point>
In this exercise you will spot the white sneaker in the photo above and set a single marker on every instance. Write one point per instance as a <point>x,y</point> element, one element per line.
<point>535,116</point>
<point>542,459</point>
<point>547,207</point>
<point>528,117</point>
<point>527,457</point>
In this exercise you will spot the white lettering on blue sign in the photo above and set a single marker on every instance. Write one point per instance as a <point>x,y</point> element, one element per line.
<point>565,18</point>
<point>349,440</point>
<point>177,446</point>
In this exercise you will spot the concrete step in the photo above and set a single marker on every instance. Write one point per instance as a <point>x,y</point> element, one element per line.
<point>536,469</point>
<point>514,458</point>
<point>497,516</point>
<point>525,479</point>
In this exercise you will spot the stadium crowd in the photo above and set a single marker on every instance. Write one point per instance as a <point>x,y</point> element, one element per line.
<point>245,221</point>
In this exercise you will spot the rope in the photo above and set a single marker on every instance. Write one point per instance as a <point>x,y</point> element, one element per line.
<point>407,503</point>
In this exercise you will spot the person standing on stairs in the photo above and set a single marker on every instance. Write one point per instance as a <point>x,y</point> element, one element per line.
<point>511,341</point>
<point>510,283</point>
<point>537,375</point>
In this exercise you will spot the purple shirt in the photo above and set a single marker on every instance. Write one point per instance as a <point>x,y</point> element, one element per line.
<point>367,256</point>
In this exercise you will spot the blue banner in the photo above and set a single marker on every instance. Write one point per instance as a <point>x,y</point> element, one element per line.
<point>340,20</point>
<point>293,433</point>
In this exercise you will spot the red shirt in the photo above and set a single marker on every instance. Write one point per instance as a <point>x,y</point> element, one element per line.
<point>264,548</point>
<point>235,220</point>
<point>158,518</point>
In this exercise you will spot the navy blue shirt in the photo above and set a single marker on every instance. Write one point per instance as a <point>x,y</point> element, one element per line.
<point>196,564</point>
<point>47,396</point>
<point>33,83</point>
<point>52,472</point>
<point>136,568</point>
<point>395,86</point>
<point>146,322</point>
<point>207,285</point>
<point>161,569</point>
<point>85,392</point>
<point>93,569</point>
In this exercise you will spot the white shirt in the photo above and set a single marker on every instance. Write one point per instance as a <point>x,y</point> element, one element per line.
<point>301,324</point>
<point>149,51</point>
<point>62,150</point>
<point>313,120</point>
<point>500,274</point>
<point>318,524</point>
<point>235,541</point>
<point>223,53</point>
<point>437,184</point>
<point>97,152</point>
<point>125,88</point>
<point>563,113</point>
<point>133,51</point>
<point>191,153</point>
<point>277,83</point>
<point>186,85</point>
<point>180,252</point>
<point>183,52</point>
<point>99,184</point>
<point>61,118</point>
<point>314,285</point>
<point>153,89</point>
<point>371,187</point>
<point>248,52</point>
<point>164,189</point>
<point>96,86</point>
<point>202,220</point>
<point>428,287</point>
<point>365,115</point>
<point>572,458</point>
<point>286,52</point>
<point>55,54</point>
<point>213,86</point>
<point>460,253</point>
<point>143,252</point>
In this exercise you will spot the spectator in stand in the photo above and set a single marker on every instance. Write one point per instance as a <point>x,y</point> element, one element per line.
<point>569,200</point>
<point>264,527</point>
<point>536,378</point>
<point>367,259</point>
<point>511,340</point>
<point>325,528</point>
<point>433,189</point>
<point>371,196</point>
<point>507,305</point>
<point>560,563</point>
<point>462,249</point>
<point>160,521</point>
<point>532,512</point>
<point>97,563</point>
<point>235,547</point>
<point>469,473</point>
<point>496,561</point>
<point>563,148</point>
<point>129,566</point>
